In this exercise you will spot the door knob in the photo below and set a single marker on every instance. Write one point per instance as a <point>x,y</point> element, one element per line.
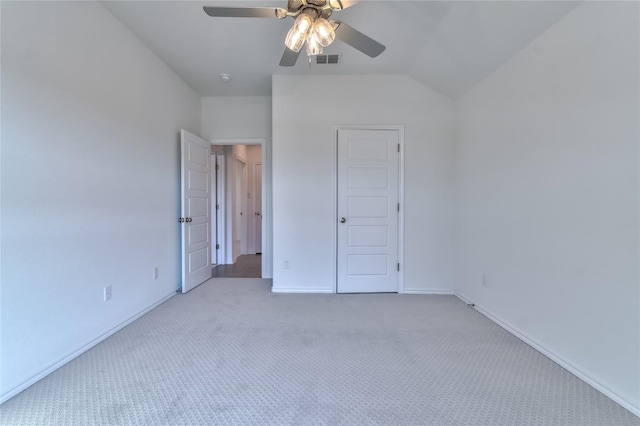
<point>343,220</point>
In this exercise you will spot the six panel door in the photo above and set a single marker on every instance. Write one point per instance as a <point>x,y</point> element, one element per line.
<point>368,164</point>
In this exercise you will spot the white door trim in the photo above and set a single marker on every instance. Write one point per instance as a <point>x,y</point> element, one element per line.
<point>400,130</point>
<point>221,211</point>
<point>257,219</point>
<point>214,216</point>
<point>267,238</point>
<point>239,207</point>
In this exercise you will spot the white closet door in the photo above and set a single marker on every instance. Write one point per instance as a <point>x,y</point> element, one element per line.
<point>368,179</point>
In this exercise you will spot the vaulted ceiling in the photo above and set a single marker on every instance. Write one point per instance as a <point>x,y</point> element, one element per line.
<point>447,45</point>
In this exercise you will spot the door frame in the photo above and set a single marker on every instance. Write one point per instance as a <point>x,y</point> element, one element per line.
<point>217,208</point>
<point>239,219</point>
<point>265,154</point>
<point>400,129</point>
<point>257,219</point>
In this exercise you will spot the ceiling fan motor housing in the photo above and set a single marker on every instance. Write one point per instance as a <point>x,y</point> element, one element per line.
<point>321,7</point>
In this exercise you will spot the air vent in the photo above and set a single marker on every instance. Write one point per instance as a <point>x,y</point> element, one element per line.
<point>327,59</point>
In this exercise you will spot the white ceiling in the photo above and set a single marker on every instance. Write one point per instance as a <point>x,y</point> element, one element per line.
<point>449,46</point>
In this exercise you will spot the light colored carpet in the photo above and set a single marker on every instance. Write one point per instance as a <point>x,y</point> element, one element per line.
<point>230,352</point>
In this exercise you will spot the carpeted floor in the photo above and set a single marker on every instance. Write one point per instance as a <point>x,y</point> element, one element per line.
<point>230,352</point>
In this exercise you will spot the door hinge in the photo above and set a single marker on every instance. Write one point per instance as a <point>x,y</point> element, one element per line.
<point>217,206</point>
<point>398,206</point>
<point>398,266</point>
<point>217,167</point>
<point>398,147</point>
<point>217,246</point>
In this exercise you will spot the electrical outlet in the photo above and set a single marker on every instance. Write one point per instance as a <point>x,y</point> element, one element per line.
<point>287,265</point>
<point>155,272</point>
<point>107,293</point>
<point>485,280</point>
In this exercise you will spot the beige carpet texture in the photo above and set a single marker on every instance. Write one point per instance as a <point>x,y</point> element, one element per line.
<point>231,352</point>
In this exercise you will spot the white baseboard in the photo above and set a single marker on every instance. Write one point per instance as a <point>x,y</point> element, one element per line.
<point>324,290</point>
<point>567,365</point>
<point>301,290</point>
<point>428,291</point>
<point>45,372</point>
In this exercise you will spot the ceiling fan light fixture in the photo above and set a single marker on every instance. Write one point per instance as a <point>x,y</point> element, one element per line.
<point>294,40</point>
<point>310,18</point>
<point>323,32</point>
<point>299,32</point>
<point>313,46</point>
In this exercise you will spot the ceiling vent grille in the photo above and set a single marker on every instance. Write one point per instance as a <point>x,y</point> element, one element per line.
<point>327,59</point>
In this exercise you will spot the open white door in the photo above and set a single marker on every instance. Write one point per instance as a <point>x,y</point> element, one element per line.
<point>368,197</point>
<point>195,217</point>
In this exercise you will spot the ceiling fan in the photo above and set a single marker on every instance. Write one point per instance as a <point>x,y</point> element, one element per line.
<point>311,27</point>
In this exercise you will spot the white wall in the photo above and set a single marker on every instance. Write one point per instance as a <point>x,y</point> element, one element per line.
<point>244,117</point>
<point>90,171</point>
<point>304,110</point>
<point>547,195</point>
<point>236,117</point>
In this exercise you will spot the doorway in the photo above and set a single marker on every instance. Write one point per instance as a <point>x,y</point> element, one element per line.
<point>238,210</point>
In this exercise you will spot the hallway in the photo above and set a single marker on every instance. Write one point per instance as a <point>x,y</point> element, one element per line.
<point>246,266</point>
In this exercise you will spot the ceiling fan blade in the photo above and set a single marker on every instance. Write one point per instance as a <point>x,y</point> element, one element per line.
<point>244,12</point>
<point>289,58</point>
<point>356,39</point>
